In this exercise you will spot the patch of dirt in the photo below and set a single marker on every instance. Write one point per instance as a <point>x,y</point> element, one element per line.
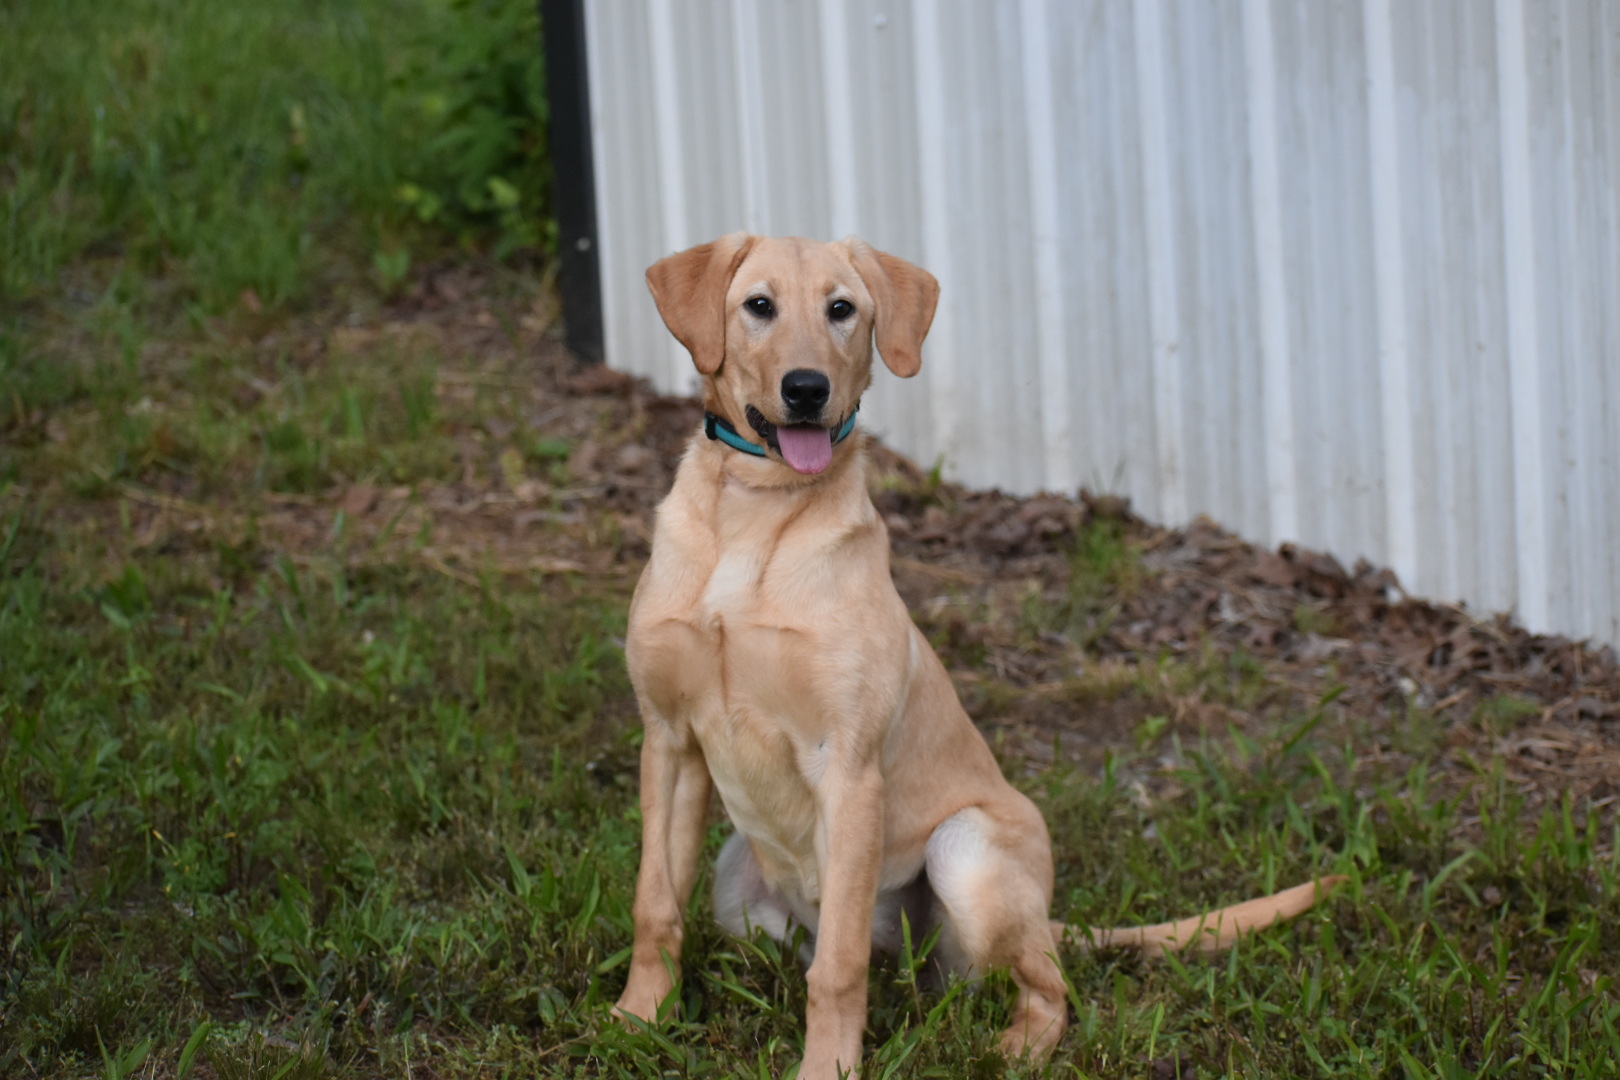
<point>1547,708</point>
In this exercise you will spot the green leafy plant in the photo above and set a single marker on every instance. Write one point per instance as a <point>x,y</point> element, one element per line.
<point>480,103</point>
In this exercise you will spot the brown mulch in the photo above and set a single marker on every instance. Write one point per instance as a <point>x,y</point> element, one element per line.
<point>1545,707</point>
<point>972,565</point>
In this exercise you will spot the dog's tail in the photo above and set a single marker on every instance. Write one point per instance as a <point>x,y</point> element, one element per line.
<point>1210,932</point>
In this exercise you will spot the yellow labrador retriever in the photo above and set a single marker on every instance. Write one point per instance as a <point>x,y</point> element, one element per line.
<point>773,660</point>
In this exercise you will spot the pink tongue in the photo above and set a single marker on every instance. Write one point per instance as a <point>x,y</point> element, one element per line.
<point>806,447</point>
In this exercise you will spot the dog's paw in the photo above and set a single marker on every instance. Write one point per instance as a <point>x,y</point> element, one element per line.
<point>635,1013</point>
<point>827,1067</point>
<point>638,1005</point>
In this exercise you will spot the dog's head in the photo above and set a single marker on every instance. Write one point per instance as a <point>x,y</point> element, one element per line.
<point>782,331</point>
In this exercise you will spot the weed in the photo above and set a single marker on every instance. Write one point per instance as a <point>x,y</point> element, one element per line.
<point>1104,558</point>
<point>1315,619</point>
<point>1104,568</point>
<point>1501,713</point>
<point>479,102</point>
<point>1149,730</point>
<point>257,1056</point>
<point>1237,678</point>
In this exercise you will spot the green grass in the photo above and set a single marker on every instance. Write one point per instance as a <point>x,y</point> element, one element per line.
<point>1103,571</point>
<point>294,800</point>
<point>349,813</point>
<point>285,798</point>
<point>191,152</point>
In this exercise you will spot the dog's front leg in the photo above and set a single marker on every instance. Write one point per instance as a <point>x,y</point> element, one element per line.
<point>849,851</point>
<point>674,803</point>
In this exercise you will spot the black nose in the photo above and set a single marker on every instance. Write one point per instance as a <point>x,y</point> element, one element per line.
<point>805,392</point>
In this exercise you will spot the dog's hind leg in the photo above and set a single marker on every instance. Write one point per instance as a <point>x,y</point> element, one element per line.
<point>994,881</point>
<point>743,902</point>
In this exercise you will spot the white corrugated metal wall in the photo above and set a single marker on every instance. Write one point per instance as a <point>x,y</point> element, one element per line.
<point>1345,272</point>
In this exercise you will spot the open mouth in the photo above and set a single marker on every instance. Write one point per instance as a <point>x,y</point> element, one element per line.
<point>807,448</point>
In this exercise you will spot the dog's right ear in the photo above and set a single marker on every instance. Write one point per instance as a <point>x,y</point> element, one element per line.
<point>689,288</point>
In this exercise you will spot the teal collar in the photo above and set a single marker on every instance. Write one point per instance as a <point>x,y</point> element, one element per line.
<point>718,427</point>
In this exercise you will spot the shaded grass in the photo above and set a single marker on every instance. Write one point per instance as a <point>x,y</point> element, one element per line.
<point>227,417</point>
<point>203,151</point>
<point>305,793</point>
<point>205,138</point>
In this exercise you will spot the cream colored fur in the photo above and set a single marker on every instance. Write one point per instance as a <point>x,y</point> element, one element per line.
<point>774,662</point>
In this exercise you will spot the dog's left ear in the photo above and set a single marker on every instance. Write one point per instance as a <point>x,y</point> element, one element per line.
<point>906,296</point>
<point>689,288</point>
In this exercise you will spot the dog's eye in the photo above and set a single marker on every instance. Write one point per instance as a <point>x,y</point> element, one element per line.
<point>761,306</point>
<point>839,310</point>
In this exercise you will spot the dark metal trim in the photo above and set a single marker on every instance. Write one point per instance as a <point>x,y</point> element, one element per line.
<point>579,282</point>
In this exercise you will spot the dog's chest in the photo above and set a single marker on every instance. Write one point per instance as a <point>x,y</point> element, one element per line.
<point>764,656</point>
<point>741,671</point>
<point>733,589</point>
